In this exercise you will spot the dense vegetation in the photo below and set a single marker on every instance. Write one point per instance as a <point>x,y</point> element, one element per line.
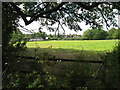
<point>113,34</point>
<point>49,74</point>
<point>95,34</point>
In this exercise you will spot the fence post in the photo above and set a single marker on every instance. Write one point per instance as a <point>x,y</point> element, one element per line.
<point>104,72</point>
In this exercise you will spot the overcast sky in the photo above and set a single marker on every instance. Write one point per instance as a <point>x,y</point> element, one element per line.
<point>34,27</point>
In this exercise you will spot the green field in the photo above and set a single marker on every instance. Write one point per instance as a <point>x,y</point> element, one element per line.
<point>97,45</point>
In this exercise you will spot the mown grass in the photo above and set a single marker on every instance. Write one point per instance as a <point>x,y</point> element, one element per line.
<point>94,45</point>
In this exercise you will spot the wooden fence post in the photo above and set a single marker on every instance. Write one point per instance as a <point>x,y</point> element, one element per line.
<point>104,72</point>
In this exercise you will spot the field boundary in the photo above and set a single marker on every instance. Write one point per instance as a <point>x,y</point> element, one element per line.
<point>63,60</point>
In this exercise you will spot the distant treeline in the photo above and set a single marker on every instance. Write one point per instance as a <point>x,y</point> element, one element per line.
<point>90,34</point>
<point>99,34</point>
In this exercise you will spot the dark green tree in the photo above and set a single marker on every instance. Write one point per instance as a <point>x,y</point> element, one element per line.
<point>100,35</point>
<point>39,34</point>
<point>87,35</point>
<point>95,34</point>
<point>110,33</point>
<point>114,33</point>
<point>17,35</point>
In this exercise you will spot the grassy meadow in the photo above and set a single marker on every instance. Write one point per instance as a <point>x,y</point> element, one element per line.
<point>97,45</point>
<point>70,49</point>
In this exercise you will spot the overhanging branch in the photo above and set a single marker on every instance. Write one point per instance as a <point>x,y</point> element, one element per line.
<point>103,18</point>
<point>18,10</point>
<point>37,15</point>
<point>95,4</point>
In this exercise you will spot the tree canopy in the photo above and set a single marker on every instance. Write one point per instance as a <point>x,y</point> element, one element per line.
<point>95,34</point>
<point>114,33</point>
<point>68,13</point>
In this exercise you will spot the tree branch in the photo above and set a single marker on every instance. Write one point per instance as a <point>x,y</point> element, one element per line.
<point>95,4</point>
<point>104,18</point>
<point>18,10</point>
<point>27,22</point>
<point>46,12</point>
<point>25,29</point>
<point>62,27</point>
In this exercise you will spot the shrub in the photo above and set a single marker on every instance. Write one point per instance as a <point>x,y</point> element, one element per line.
<point>76,75</point>
<point>112,67</point>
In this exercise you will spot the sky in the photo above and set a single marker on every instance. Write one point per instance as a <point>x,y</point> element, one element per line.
<point>34,27</point>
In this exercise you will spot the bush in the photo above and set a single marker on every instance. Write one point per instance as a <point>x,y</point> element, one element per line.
<point>112,67</point>
<point>76,75</point>
<point>94,34</point>
<point>71,38</point>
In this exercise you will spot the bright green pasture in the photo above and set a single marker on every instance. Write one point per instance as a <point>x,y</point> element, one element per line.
<point>97,45</point>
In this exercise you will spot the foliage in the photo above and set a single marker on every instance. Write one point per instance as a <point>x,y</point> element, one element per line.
<point>27,80</point>
<point>11,60</point>
<point>76,75</point>
<point>43,55</point>
<point>39,34</point>
<point>110,33</point>
<point>72,38</point>
<point>95,34</point>
<point>49,13</point>
<point>114,33</point>
<point>64,37</point>
<point>19,76</point>
<point>52,37</point>
<point>112,67</point>
<point>16,36</point>
<point>100,35</point>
